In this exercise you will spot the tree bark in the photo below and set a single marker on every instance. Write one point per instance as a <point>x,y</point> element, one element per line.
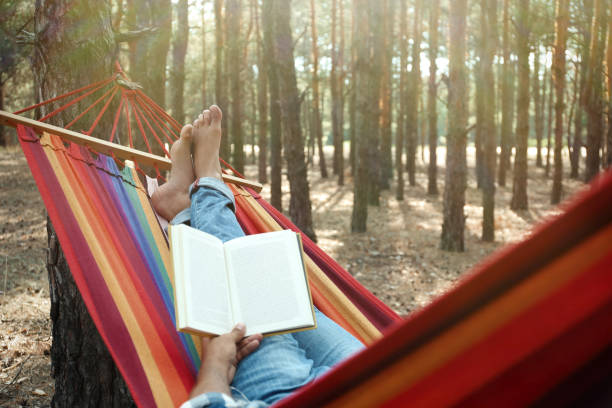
<point>489,142</point>
<point>558,71</point>
<point>537,96</point>
<point>204,84</point>
<point>400,134</point>
<point>262,101</point>
<point>269,29</point>
<point>353,98</point>
<point>234,62</point>
<point>432,99</point>
<point>367,92</point>
<point>318,129</point>
<point>608,162</point>
<point>551,93</point>
<point>594,91</point>
<point>453,225</point>
<point>341,77</point>
<point>300,209</point>
<point>75,47</point>
<point>221,78</point>
<point>3,139</point>
<point>386,94</point>
<point>335,90</point>
<point>179,51</point>
<point>519,186</point>
<point>507,97</point>
<point>414,92</point>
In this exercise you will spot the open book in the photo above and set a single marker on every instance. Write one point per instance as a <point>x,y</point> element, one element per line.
<point>259,280</point>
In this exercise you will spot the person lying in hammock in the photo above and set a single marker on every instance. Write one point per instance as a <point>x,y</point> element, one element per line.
<point>238,371</point>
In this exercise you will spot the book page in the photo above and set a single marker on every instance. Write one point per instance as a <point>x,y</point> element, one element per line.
<point>206,287</point>
<point>268,282</point>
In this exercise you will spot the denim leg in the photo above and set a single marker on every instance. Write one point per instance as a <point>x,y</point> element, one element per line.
<point>328,344</point>
<point>212,209</point>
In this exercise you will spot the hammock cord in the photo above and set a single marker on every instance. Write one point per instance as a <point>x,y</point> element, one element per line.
<point>134,105</point>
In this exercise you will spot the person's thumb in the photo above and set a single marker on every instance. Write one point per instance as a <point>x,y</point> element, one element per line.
<point>238,332</point>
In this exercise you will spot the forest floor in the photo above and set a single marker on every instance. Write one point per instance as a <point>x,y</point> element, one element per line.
<point>398,259</point>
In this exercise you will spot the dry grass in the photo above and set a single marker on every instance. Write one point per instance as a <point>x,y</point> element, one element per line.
<point>397,259</point>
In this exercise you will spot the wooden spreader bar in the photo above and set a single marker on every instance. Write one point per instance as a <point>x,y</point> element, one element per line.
<point>108,148</point>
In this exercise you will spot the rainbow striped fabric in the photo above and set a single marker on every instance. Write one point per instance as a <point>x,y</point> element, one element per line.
<point>533,324</point>
<point>120,261</point>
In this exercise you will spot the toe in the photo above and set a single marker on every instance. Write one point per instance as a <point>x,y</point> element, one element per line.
<point>216,115</point>
<point>207,117</point>
<point>186,132</point>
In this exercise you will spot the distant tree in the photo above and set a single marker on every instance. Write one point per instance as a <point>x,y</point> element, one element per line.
<point>453,225</point>
<point>432,99</point>
<point>262,101</point>
<point>594,91</point>
<point>12,52</point>
<point>341,94</point>
<point>300,209</point>
<point>506,99</point>
<point>276,143</point>
<point>179,51</point>
<point>489,142</point>
<point>519,186</point>
<point>233,11</point>
<point>366,42</point>
<point>353,97</point>
<point>549,131</point>
<point>537,105</point>
<point>318,129</point>
<point>204,48</point>
<point>559,71</point>
<point>221,77</point>
<point>335,87</point>
<point>400,134</point>
<point>386,97</point>
<point>414,92</point>
<point>608,161</point>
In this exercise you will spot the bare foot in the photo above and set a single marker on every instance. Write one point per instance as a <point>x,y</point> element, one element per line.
<point>173,196</point>
<point>206,141</point>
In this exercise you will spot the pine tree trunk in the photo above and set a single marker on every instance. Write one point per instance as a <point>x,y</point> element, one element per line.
<point>179,51</point>
<point>204,48</point>
<point>594,91</point>
<point>506,102</point>
<point>220,77</point>
<point>334,88</point>
<point>299,205</point>
<point>75,48</point>
<point>432,99</point>
<point>316,97</point>
<point>367,90</point>
<point>341,77</point>
<point>453,225</point>
<point>386,95</point>
<point>608,162</point>
<point>234,62</point>
<point>489,42</point>
<point>262,102</point>
<point>353,98</point>
<point>551,93</point>
<point>3,139</point>
<point>478,132</point>
<point>414,92</point>
<point>268,25</point>
<point>537,96</point>
<point>559,70</point>
<point>519,186</point>
<point>400,134</point>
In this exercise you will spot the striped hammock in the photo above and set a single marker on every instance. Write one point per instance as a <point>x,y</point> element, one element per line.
<point>531,324</point>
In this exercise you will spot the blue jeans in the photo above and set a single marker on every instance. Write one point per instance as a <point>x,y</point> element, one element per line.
<point>282,363</point>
